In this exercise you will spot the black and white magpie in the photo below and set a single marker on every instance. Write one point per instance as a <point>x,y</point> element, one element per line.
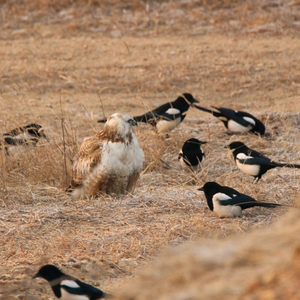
<point>167,116</point>
<point>226,202</point>
<point>66,287</point>
<point>191,155</point>
<point>236,121</point>
<point>29,134</point>
<point>252,162</point>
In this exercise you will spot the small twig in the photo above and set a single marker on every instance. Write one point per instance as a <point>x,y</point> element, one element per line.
<point>64,142</point>
<point>128,50</point>
<point>102,106</point>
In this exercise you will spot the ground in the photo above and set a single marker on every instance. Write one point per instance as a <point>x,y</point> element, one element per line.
<point>66,65</point>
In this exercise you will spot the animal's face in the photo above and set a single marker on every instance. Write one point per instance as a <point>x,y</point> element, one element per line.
<point>236,145</point>
<point>122,122</point>
<point>189,98</point>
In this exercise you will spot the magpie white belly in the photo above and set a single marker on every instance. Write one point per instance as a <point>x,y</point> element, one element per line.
<point>226,211</point>
<point>186,166</point>
<point>248,169</point>
<point>164,126</point>
<point>67,296</point>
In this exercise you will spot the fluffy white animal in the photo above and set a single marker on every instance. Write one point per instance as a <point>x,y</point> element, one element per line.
<point>110,161</point>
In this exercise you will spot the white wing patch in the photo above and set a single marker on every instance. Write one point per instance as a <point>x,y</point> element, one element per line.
<point>173,111</point>
<point>221,196</point>
<point>243,156</point>
<point>225,211</point>
<point>237,127</point>
<point>67,296</point>
<point>69,283</point>
<point>248,169</point>
<point>250,120</point>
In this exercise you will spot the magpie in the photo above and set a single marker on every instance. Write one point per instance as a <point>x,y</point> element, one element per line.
<point>252,162</point>
<point>191,155</point>
<point>236,121</point>
<point>167,116</point>
<point>226,202</point>
<point>66,287</point>
<point>29,134</point>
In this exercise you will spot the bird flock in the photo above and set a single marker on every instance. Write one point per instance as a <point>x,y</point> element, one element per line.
<point>111,162</point>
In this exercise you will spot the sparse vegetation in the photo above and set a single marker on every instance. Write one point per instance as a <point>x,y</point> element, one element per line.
<point>65,64</point>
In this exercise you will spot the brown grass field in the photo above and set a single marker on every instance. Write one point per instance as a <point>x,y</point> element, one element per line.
<point>67,64</point>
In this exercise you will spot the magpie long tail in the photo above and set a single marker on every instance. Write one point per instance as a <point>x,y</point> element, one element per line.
<point>214,113</point>
<point>246,205</point>
<point>142,118</point>
<point>267,204</point>
<point>107,296</point>
<point>203,108</point>
<point>288,165</point>
<point>102,121</point>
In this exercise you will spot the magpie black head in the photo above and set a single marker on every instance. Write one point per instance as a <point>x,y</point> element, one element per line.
<point>208,186</point>
<point>49,272</point>
<point>189,98</point>
<point>237,145</point>
<point>192,143</point>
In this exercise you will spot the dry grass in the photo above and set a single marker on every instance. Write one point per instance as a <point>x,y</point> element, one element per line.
<point>261,265</point>
<point>64,69</point>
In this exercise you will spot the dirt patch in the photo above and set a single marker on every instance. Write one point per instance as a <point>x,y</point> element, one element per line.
<point>66,66</point>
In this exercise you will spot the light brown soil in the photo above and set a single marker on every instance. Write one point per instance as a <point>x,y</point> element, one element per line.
<point>66,65</point>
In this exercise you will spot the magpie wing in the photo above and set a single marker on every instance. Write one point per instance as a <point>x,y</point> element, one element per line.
<point>262,160</point>
<point>242,200</point>
<point>258,127</point>
<point>237,116</point>
<point>153,114</point>
<point>245,201</point>
<point>214,113</point>
<point>84,289</point>
<point>229,191</point>
<point>170,114</point>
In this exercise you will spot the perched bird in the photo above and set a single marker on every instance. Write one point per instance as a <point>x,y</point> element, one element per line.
<point>191,155</point>
<point>110,161</point>
<point>66,287</point>
<point>236,121</point>
<point>169,115</point>
<point>26,135</point>
<point>252,162</point>
<point>226,202</point>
